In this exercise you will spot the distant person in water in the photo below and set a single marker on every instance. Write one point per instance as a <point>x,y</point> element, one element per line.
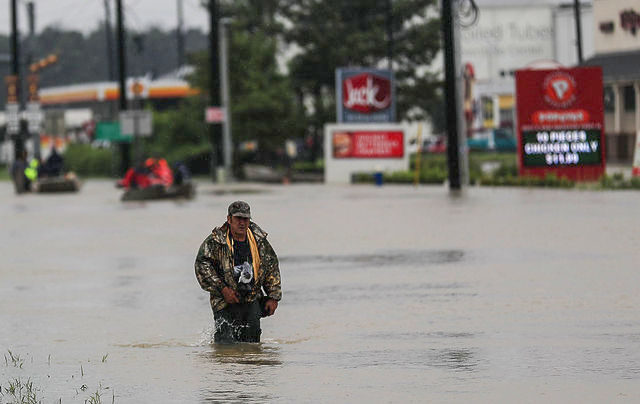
<point>54,164</point>
<point>239,268</point>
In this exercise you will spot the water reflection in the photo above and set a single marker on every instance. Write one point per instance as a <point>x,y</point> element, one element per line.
<point>240,372</point>
<point>245,354</point>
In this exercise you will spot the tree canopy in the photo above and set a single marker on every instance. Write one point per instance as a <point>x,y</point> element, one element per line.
<point>333,33</point>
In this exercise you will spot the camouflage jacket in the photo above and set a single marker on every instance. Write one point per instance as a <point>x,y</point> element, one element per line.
<point>214,267</point>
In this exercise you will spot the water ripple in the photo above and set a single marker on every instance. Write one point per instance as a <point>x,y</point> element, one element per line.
<point>382,259</point>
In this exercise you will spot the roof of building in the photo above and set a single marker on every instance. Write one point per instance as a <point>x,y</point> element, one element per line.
<point>618,66</point>
<point>109,91</point>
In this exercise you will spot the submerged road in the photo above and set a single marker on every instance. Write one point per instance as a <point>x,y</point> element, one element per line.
<point>390,294</point>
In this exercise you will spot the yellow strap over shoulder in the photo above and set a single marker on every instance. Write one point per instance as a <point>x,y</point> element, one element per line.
<point>253,246</point>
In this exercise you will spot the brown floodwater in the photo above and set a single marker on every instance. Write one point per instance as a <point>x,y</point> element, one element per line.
<point>390,294</point>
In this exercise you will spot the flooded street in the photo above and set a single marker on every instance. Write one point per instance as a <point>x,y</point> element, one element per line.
<point>390,294</point>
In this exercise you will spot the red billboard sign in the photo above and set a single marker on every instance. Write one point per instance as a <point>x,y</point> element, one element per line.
<point>368,144</point>
<point>366,93</point>
<point>561,122</point>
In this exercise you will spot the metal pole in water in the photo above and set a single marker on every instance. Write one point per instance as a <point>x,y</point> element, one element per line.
<point>456,152</point>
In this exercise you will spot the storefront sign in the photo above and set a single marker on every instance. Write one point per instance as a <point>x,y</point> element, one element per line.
<point>630,21</point>
<point>363,149</point>
<point>368,144</point>
<point>365,95</point>
<point>560,122</point>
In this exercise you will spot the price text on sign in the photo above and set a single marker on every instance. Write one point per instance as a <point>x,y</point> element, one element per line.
<point>561,147</point>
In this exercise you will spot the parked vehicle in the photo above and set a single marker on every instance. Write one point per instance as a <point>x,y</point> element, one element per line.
<point>430,144</point>
<point>497,139</point>
<point>412,147</point>
<point>438,144</point>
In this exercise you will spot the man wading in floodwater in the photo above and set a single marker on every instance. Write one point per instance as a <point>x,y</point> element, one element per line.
<point>234,264</point>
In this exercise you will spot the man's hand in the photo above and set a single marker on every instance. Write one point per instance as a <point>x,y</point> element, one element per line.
<point>270,306</point>
<point>230,295</point>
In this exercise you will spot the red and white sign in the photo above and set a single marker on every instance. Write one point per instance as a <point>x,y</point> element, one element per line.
<point>215,115</point>
<point>365,96</point>
<point>561,122</point>
<point>366,93</point>
<point>368,144</point>
<point>559,89</point>
<point>635,171</point>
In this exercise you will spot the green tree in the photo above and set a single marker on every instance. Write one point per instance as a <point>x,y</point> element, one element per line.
<point>263,104</point>
<point>335,33</point>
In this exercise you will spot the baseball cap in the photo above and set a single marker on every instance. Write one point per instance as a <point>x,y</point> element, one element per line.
<point>240,208</point>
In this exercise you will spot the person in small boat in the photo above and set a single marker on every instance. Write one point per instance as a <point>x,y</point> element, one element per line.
<point>151,172</point>
<point>53,165</point>
<point>32,171</point>
<point>181,173</point>
<point>240,270</point>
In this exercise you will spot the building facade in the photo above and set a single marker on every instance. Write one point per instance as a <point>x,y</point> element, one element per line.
<point>617,47</point>
<point>511,35</point>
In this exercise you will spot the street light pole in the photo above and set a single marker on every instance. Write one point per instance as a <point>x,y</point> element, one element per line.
<point>214,85</point>
<point>224,73</point>
<point>125,150</point>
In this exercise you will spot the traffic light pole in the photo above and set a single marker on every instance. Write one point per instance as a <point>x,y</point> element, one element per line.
<point>35,135</point>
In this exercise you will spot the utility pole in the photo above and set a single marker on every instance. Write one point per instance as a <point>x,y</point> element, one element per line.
<point>180,34</point>
<point>214,86</point>
<point>576,11</point>
<point>110,63</point>
<point>390,33</point>
<point>18,142</point>
<point>456,150</point>
<point>109,37</point>
<point>125,149</point>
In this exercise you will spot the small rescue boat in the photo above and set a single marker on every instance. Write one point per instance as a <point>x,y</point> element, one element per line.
<point>186,190</point>
<point>62,183</point>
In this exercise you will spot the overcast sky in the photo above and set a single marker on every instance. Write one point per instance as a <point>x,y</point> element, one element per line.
<point>85,15</point>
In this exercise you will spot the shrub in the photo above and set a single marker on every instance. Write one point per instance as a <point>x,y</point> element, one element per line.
<point>4,173</point>
<point>85,160</point>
